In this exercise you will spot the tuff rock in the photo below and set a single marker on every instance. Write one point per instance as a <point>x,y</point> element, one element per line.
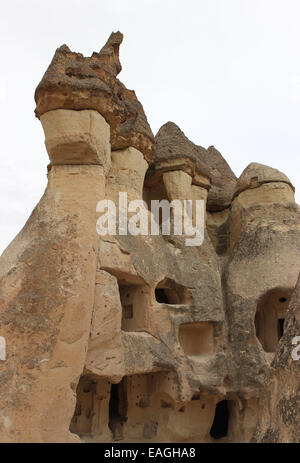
<point>142,338</point>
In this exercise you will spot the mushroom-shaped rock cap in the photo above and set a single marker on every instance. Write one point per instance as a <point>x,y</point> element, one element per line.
<point>256,174</point>
<point>73,81</point>
<point>171,144</point>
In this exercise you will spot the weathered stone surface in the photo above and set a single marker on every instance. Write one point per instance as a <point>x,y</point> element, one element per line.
<point>141,338</point>
<point>77,137</point>
<point>178,184</point>
<point>47,282</point>
<point>173,148</point>
<point>127,174</point>
<point>275,196</point>
<point>257,174</point>
<point>264,259</point>
<point>73,81</point>
<point>279,416</point>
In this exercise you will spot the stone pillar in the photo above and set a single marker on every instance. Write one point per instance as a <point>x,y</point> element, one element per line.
<point>77,137</point>
<point>127,174</point>
<point>54,260</point>
<point>265,195</point>
<point>178,185</point>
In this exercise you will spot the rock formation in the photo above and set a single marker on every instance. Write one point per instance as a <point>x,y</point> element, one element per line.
<point>142,338</point>
<point>75,82</point>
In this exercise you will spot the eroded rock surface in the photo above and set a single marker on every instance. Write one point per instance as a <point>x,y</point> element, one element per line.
<point>142,338</point>
<point>73,81</point>
<point>173,147</point>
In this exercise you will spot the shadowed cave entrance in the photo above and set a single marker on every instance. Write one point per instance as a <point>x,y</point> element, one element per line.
<point>117,409</point>
<point>270,317</point>
<point>133,408</point>
<point>101,408</point>
<point>219,427</point>
<point>139,407</point>
<point>161,296</point>
<point>83,422</point>
<point>168,291</point>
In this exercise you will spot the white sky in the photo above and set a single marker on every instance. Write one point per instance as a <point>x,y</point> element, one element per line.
<point>226,71</point>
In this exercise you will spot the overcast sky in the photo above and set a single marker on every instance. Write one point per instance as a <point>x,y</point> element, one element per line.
<point>226,71</point>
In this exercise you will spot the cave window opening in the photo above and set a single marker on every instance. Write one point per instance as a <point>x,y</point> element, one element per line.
<point>135,305</point>
<point>117,409</point>
<point>196,339</point>
<point>161,296</point>
<point>280,327</point>
<point>170,292</point>
<point>219,427</point>
<point>269,318</point>
<point>114,403</point>
<point>84,422</point>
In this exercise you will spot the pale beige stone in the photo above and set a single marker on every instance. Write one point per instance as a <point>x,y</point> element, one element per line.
<point>178,184</point>
<point>141,338</point>
<point>265,194</point>
<point>77,137</point>
<point>58,298</point>
<point>127,174</point>
<point>257,174</point>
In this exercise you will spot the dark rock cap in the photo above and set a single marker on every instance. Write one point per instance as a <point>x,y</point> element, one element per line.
<point>73,81</point>
<point>172,144</point>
